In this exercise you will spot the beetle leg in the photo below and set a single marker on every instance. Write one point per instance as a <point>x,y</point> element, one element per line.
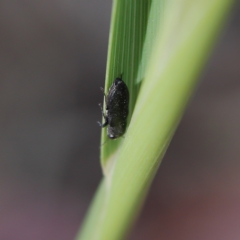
<point>104,124</point>
<point>105,96</point>
<point>104,116</point>
<point>100,105</point>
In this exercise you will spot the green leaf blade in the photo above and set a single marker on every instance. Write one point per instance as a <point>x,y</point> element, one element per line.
<point>128,30</point>
<point>174,50</point>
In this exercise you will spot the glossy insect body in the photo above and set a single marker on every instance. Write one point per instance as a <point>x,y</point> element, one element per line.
<point>117,101</point>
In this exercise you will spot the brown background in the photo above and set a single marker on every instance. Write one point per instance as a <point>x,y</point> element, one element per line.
<point>52,63</point>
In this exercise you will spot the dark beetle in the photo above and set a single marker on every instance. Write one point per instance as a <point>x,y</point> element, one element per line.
<point>116,109</point>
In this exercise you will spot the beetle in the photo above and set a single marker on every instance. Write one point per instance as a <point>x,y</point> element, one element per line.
<point>116,101</point>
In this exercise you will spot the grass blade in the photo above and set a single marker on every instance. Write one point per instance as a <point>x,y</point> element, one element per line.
<point>176,39</point>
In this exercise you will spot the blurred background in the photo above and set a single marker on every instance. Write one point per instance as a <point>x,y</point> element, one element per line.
<point>52,64</point>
